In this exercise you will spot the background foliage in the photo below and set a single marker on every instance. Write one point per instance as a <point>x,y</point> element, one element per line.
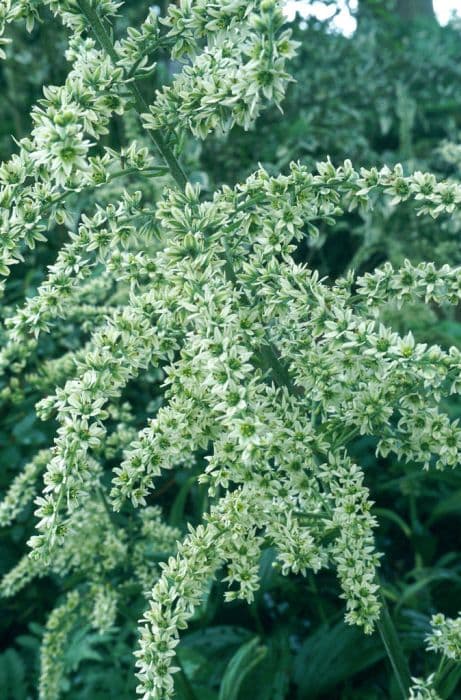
<point>390,93</point>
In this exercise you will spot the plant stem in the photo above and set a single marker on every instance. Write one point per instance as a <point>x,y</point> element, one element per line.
<point>109,511</point>
<point>141,105</point>
<point>388,633</point>
<point>447,677</point>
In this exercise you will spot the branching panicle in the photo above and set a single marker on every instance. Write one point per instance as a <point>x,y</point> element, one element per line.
<point>266,372</point>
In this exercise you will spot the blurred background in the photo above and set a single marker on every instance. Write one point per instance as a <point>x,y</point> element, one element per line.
<point>342,14</point>
<point>376,81</point>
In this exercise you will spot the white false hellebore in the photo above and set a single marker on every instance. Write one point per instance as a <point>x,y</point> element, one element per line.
<point>269,369</point>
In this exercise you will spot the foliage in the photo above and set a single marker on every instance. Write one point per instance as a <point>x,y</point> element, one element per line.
<point>227,385</point>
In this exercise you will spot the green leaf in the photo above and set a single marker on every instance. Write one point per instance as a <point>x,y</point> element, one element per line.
<point>271,678</point>
<point>447,506</point>
<point>12,676</point>
<point>390,515</point>
<point>266,569</point>
<point>418,586</point>
<point>191,660</point>
<point>213,640</point>
<point>243,661</point>
<point>81,647</point>
<point>179,504</point>
<point>332,654</point>
<point>394,650</point>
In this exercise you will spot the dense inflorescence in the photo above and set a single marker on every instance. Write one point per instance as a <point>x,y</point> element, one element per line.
<point>266,368</point>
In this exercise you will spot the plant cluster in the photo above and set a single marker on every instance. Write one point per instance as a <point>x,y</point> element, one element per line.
<point>266,372</point>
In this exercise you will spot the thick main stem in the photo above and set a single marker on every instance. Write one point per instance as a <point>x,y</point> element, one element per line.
<point>141,105</point>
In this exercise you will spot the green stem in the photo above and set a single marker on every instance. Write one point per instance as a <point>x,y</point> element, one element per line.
<point>447,678</point>
<point>112,176</point>
<point>395,653</point>
<point>141,105</point>
<point>268,354</point>
<point>109,511</point>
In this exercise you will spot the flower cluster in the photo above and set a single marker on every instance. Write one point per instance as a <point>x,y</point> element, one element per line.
<point>228,81</point>
<point>445,637</point>
<point>56,158</point>
<point>22,489</point>
<point>267,370</point>
<point>423,689</point>
<point>190,22</point>
<point>255,339</point>
<point>59,627</point>
<point>12,11</point>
